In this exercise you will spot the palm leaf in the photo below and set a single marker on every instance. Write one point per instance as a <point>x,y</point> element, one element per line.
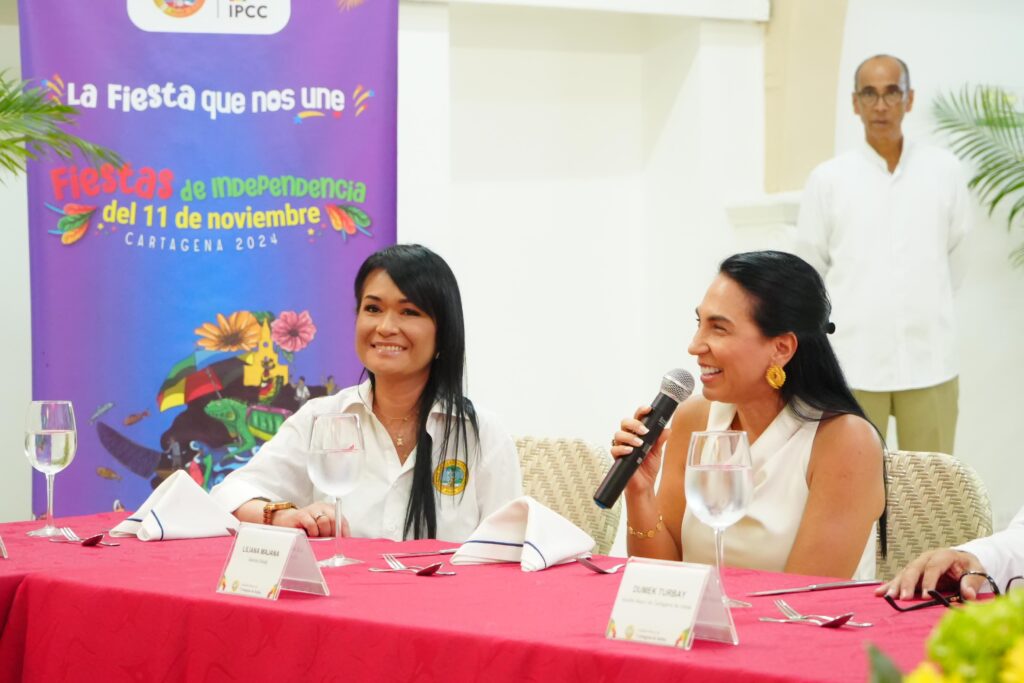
<point>986,128</point>
<point>31,125</point>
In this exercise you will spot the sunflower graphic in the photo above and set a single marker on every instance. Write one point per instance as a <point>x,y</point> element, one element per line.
<point>238,332</point>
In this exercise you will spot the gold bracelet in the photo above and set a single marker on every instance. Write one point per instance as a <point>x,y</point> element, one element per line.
<point>650,532</point>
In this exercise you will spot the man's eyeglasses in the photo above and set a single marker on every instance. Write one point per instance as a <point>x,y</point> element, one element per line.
<point>1014,584</point>
<point>869,97</point>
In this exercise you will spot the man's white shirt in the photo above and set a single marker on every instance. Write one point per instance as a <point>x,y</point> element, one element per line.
<point>884,243</point>
<point>1002,553</point>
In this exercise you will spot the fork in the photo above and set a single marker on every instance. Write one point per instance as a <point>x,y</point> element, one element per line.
<point>75,538</point>
<point>397,565</point>
<point>791,613</point>
<point>600,570</point>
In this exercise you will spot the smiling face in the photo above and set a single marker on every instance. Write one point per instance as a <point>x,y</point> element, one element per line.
<point>731,350</point>
<point>881,76</point>
<point>393,336</point>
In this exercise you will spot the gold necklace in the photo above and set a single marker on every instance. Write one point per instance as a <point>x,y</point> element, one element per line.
<point>400,437</point>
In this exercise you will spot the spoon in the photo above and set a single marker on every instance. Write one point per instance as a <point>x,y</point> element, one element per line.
<point>429,570</point>
<point>834,622</point>
<point>856,624</point>
<point>92,540</point>
<point>87,542</point>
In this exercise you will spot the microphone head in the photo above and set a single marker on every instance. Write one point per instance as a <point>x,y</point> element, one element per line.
<point>677,384</point>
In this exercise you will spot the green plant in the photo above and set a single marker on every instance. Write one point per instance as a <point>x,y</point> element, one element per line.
<point>986,127</point>
<point>30,125</point>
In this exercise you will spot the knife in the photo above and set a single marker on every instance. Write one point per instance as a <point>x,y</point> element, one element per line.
<point>423,553</point>
<point>818,587</point>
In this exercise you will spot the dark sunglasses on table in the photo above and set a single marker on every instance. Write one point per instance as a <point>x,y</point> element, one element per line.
<point>1014,584</point>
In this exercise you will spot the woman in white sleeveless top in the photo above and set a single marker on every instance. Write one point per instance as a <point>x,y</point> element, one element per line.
<point>767,368</point>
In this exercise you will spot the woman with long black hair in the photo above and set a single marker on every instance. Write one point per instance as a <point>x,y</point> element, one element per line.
<point>410,337</point>
<point>768,369</point>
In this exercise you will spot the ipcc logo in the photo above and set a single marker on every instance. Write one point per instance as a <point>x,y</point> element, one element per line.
<point>243,8</point>
<point>253,17</point>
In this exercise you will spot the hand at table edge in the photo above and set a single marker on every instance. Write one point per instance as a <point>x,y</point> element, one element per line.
<point>932,567</point>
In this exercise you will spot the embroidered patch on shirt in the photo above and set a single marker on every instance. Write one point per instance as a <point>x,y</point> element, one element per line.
<point>450,477</point>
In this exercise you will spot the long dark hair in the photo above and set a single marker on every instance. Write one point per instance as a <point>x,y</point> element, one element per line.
<point>789,296</point>
<point>427,281</point>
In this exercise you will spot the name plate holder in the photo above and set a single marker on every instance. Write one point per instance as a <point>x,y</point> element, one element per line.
<point>667,603</point>
<point>265,560</point>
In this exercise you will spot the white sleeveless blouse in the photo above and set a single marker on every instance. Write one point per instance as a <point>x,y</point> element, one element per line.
<point>763,538</point>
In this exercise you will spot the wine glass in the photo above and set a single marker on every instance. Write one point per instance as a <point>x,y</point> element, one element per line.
<point>50,444</point>
<point>719,486</point>
<point>335,462</point>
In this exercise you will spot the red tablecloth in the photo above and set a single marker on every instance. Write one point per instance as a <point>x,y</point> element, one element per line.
<point>148,612</point>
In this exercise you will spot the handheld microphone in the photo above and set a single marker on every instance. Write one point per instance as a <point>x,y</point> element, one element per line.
<point>676,386</point>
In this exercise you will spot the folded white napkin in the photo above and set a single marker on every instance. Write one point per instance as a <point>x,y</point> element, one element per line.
<point>178,508</point>
<point>526,532</point>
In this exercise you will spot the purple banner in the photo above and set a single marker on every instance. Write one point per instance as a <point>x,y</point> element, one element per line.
<point>190,300</point>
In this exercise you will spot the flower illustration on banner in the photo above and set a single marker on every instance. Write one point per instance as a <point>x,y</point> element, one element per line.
<point>235,388</point>
<point>348,220</point>
<point>75,221</point>
<point>293,331</point>
<point>240,331</point>
<point>349,4</point>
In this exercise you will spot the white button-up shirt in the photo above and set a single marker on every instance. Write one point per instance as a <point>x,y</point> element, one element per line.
<point>1002,553</point>
<point>884,243</point>
<point>377,507</point>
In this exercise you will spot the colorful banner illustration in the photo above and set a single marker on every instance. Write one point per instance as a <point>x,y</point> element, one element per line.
<point>191,300</point>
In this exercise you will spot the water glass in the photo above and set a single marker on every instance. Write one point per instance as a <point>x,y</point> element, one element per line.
<point>50,444</point>
<point>335,464</point>
<point>719,485</point>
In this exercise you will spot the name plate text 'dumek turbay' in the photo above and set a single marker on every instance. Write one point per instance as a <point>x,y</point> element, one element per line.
<point>670,604</point>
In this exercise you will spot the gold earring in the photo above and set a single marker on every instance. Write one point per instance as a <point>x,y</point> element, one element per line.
<point>775,376</point>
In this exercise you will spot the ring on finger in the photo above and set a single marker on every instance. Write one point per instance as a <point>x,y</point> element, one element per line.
<point>318,515</point>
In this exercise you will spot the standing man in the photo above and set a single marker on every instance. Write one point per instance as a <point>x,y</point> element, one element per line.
<point>881,224</point>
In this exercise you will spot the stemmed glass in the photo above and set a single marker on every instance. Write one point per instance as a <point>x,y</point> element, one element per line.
<point>50,444</point>
<point>719,486</point>
<point>335,462</point>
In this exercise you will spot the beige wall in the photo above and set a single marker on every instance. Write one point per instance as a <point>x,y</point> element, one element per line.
<point>15,472</point>
<point>803,42</point>
<point>8,12</point>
